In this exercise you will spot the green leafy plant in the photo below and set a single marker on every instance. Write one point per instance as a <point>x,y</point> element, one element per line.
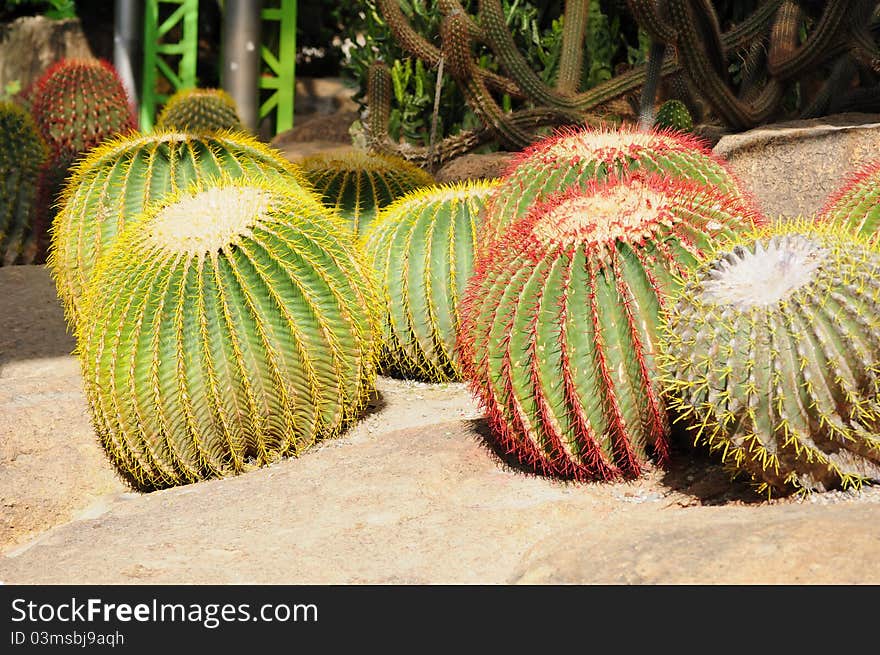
<point>54,9</point>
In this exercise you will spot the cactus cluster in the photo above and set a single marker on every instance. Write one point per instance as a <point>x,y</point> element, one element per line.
<point>356,183</point>
<point>421,250</point>
<point>855,204</point>
<point>560,320</point>
<point>771,356</point>
<point>23,155</point>
<point>199,110</point>
<point>117,180</point>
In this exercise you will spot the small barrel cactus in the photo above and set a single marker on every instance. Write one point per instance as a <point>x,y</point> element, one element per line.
<point>673,115</point>
<point>357,183</point>
<point>856,203</point>
<point>421,249</point>
<point>23,155</point>
<point>559,326</point>
<point>117,180</point>
<point>771,356</point>
<point>200,110</point>
<point>575,157</point>
<point>230,325</point>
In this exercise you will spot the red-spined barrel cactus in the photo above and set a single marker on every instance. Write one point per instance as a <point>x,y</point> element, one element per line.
<point>232,324</point>
<point>559,329</point>
<point>23,155</point>
<point>771,356</point>
<point>421,250</point>
<point>117,180</point>
<point>356,183</point>
<point>199,110</point>
<point>576,157</point>
<point>855,204</point>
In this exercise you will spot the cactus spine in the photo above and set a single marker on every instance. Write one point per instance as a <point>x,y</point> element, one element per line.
<point>559,326</point>
<point>117,180</point>
<point>231,325</point>
<point>357,183</point>
<point>200,110</point>
<point>855,204</point>
<point>23,154</point>
<point>771,356</point>
<point>421,250</point>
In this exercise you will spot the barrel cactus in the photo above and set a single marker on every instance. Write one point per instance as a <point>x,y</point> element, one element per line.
<point>559,328</point>
<point>674,115</point>
<point>771,356</point>
<point>117,180</point>
<point>23,154</point>
<point>200,110</point>
<point>230,325</point>
<point>856,202</point>
<point>357,183</point>
<point>575,157</point>
<point>421,250</point>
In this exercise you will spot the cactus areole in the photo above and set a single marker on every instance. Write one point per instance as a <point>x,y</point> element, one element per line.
<point>771,356</point>
<point>559,334</point>
<point>227,327</point>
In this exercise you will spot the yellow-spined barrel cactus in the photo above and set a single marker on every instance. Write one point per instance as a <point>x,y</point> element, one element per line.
<point>23,155</point>
<point>200,110</point>
<point>232,324</point>
<point>771,356</point>
<point>576,157</point>
<point>421,249</point>
<point>356,183</point>
<point>117,180</point>
<point>856,203</point>
<point>559,329</point>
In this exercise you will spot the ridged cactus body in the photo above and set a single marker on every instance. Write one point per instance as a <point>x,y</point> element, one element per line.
<point>357,183</point>
<point>576,157</point>
<point>560,323</point>
<point>23,155</point>
<point>421,250</point>
<point>117,180</point>
<point>855,204</point>
<point>771,356</point>
<point>673,115</point>
<point>230,325</point>
<point>200,110</point>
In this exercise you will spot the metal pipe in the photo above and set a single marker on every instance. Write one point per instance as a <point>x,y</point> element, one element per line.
<point>241,57</point>
<point>128,32</point>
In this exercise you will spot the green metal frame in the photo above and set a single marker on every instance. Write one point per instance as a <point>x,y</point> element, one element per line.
<point>155,48</point>
<point>279,69</point>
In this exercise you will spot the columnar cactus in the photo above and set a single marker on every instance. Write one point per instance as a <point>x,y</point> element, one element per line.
<point>23,154</point>
<point>117,180</point>
<point>230,325</point>
<point>856,203</point>
<point>200,110</point>
<point>559,329</point>
<point>357,183</point>
<point>771,355</point>
<point>421,250</point>
<point>575,157</point>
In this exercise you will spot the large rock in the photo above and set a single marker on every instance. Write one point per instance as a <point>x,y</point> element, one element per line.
<point>792,167</point>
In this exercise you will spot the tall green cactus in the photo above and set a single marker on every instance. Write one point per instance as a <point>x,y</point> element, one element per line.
<point>421,250</point>
<point>560,320</point>
<point>230,325</point>
<point>200,110</point>
<point>771,355</point>
<point>23,155</point>
<point>356,183</point>
<point>856,202</point>
<point>117,180</point>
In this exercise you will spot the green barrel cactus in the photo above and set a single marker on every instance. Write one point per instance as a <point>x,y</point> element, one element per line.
<point>673,115</point>
<point>421,250</point>
<point>200,110</point>
<point>23,155</point>
<point>856,202</point>
<point>560,320</point>
<point>771,356</point>
<point>357,183</point>
<point>230,325</point>
<point>575,157</point>
<point>117,180</point>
